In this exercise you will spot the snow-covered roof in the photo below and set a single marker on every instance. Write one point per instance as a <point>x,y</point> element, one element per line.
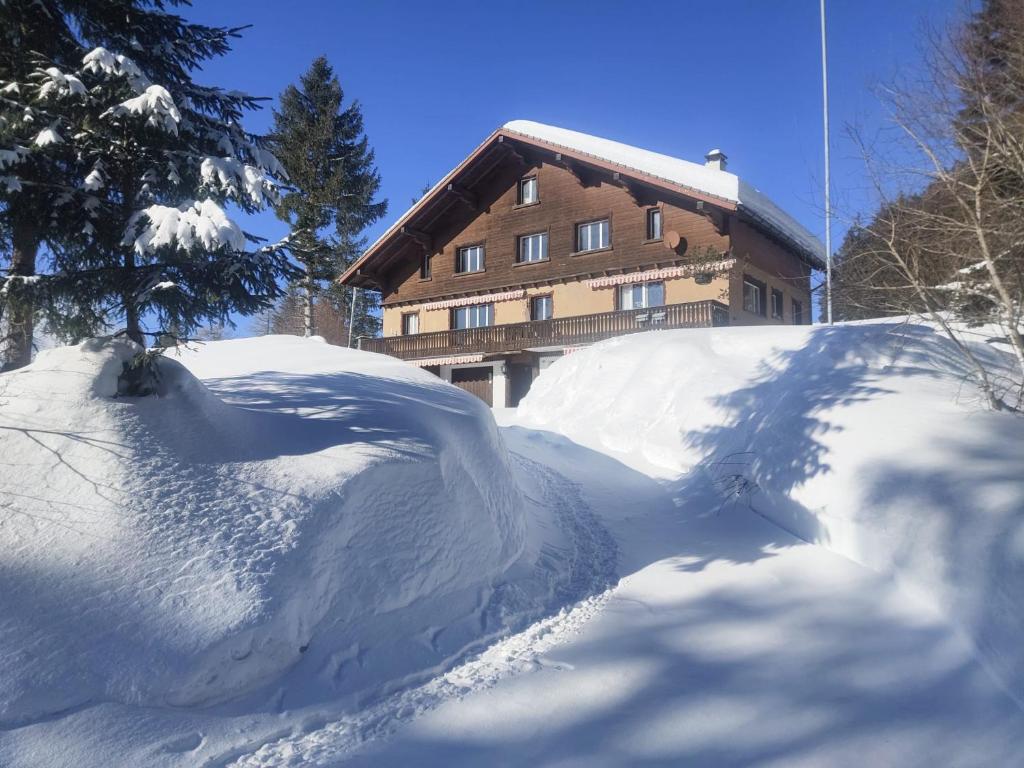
<point>696,176</point>
<point>681,174</point>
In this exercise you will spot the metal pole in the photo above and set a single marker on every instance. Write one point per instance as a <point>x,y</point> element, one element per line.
<point>352,314</point>
<point>828,181</point>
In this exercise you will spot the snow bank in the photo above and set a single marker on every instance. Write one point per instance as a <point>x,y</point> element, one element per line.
<point>338,515</point>
<point>865,437</point>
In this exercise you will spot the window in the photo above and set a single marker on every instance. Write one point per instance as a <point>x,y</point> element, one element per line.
<point>592,236</point>
<point>475,316</point>
<point>533,247</point>
<point>654,223</point>
<point>540,308</point>
<point>470,259</point>
<point>798,313</point>
<point>753,296</point>
<point>640,295</point>
<point>776,304</point>
<point>425,267</point>
<point>528,191</point>
<point>410,323</point>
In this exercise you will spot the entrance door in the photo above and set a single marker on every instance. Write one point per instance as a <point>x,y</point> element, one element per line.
<point>476,381</point>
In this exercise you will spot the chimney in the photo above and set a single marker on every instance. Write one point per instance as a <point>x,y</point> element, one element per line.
<point>715,159</point>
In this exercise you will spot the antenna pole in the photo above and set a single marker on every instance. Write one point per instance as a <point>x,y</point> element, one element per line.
<point>828,181</point>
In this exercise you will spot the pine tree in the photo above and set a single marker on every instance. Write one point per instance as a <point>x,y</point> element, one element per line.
<point>127,164</point>
<point>32,39</point>
<point>333,182</point>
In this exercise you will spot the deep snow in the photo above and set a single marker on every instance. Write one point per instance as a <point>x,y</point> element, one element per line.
<point>730,641</point>
<point>702,465</point>
<point>867,438</point>
<point>311,528</point>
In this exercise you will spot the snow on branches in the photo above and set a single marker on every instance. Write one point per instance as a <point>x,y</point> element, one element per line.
<point>58,84</point>
<point>125,167</point>
<point>200,224</point>
<point>102,61</point>
<point>234,178</point>
<point>155,104</point>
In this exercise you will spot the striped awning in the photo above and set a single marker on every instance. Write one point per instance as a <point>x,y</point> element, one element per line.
<point>686,270</point>
<point>466,301</point>
<point>450,360</point>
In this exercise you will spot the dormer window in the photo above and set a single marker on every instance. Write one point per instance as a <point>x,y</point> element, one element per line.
<point>527,191</point>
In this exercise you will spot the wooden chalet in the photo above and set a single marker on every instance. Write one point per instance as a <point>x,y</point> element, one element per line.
<point>544,240</point>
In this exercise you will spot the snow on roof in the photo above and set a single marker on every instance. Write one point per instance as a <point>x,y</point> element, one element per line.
<point>696,176</point>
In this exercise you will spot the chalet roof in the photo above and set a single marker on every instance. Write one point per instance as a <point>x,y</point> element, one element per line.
<point>681,176</point>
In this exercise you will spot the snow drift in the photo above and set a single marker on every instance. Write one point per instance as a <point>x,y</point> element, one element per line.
<point>346,517</point>
<point>867,438</point>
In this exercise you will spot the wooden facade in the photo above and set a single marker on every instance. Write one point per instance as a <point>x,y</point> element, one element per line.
<point>707,248</point>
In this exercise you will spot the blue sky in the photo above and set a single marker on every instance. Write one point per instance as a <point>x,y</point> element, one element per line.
<point>678,77</point>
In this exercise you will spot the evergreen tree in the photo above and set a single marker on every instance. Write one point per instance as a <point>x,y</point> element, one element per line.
<point>32,39</point>
<point>333,182</point>
<point>126,165</point>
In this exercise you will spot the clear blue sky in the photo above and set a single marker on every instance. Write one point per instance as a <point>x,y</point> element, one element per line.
<point>677,77</point>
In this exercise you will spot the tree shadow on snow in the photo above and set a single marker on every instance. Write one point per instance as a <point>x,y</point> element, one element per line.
<point>819,675</point>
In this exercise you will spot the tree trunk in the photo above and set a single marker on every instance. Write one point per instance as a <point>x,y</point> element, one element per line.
<point>352,315</point>
<point>25,242</point>
<point>132,321</point>
<point>307,309</point>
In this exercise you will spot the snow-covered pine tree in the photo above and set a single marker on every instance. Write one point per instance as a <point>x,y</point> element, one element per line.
<point>31,42</point>
<point>143,162</point>
<point>332,182</point>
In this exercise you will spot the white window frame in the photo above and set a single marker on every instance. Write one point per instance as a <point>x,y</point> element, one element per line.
<point>757,289</point>
<point>548,301</point>
<point>593,235</point>
<point>529,183</point>
<point>775,293</point>
<point>629,289</point>
<point>414,325</point>
<point>654,214</point>
<point>469,258</point>
<point>532,248</point>
<point>477,316</point>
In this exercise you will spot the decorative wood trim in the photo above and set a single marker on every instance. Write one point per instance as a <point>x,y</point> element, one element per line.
<point>540,282</point>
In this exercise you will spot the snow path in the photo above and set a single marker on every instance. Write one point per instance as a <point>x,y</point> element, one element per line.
<point>592,568</point>
<point>730,643</point>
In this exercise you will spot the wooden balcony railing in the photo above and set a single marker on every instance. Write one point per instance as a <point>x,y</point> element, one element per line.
<point>560,331</point>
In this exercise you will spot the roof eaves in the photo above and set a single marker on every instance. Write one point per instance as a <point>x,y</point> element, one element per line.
<point>416,208</point>
<point>808,255</point>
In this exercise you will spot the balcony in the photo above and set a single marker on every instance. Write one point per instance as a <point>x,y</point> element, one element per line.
<point>557,332</point>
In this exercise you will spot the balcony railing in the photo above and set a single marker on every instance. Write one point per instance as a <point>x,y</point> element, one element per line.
<point>560,331</point>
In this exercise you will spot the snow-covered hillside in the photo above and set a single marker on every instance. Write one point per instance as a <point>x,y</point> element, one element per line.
<point>313,524</point>
<point>867,438</point>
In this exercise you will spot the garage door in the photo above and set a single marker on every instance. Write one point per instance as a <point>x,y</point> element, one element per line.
<point>476,381</point>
